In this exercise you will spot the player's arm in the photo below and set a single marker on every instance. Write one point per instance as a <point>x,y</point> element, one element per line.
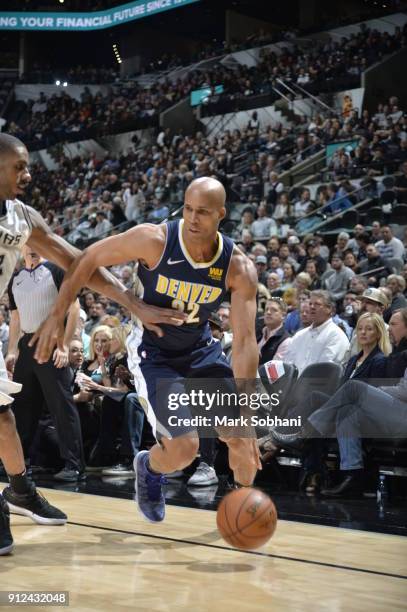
<point>244,457</point>
<point>59,251</point>
<point>143,242</point>
<point>242,282</point>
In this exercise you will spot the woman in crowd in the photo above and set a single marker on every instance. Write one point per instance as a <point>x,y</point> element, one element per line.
<point>288,279</point>
<point>121,417</point>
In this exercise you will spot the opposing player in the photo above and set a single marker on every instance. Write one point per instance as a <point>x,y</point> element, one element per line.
<point>19,225</point>
<point>189,265</point>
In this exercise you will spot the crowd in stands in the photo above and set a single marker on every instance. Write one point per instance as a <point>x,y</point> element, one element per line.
<point>310,293</point>
<point>328,66</point>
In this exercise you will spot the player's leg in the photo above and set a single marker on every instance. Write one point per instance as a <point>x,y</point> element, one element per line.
<point>178,444</point>
<point>244,458</point>
<point>216,376</point>
<point>154,381</point>
<point>21,494</point>
<point>173,454</point>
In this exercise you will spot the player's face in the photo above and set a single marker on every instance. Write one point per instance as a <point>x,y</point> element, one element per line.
<point>14,173</point>
<point>201,219</point>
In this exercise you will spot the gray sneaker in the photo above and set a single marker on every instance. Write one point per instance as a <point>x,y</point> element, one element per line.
<point>204,476</point>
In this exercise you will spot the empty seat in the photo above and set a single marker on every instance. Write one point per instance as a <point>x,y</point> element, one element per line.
<point>399,214</point>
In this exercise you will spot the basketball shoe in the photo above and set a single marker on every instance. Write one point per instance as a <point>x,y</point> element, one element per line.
<point>204,476</point>
<point>149,489</point>
<point>35,506</point>
<point>6,539</point>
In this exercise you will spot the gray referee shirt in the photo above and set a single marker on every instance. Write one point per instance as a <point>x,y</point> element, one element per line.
<point>33,293</point>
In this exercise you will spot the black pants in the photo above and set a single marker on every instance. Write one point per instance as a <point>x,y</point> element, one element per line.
<point>46,383</point>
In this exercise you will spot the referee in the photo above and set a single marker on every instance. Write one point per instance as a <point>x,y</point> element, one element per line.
<point>32,294</point>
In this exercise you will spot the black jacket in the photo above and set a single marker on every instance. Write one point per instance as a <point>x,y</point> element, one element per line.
<point>396,362</point>
<point>374,366</point>
<point>269,349</point>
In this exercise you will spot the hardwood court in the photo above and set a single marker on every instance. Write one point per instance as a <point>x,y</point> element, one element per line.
<point>108,558</point>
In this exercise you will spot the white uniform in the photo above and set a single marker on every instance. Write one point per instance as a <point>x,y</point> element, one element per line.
<point>15,230</point>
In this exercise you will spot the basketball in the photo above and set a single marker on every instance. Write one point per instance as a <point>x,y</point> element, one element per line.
<point>246,518</point>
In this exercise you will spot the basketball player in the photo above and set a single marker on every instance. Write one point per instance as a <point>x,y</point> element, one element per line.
<point>189,265</point>
<point>19,225</point>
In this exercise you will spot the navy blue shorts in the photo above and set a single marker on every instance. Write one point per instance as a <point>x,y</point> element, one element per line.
<point>158,377</point>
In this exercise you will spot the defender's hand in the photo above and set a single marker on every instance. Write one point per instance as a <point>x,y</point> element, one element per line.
<point>50,333</point>
<point>150,316</point>
<point>60,357</point>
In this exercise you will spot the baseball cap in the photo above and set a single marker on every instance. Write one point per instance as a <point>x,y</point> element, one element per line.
<point>215,320</point>
<point>261,259</point>
<point>311,243</point>
<point>293,240</point>
<point>375,295</point>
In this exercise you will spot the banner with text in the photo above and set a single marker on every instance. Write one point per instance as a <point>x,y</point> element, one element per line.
<point>97,20</point>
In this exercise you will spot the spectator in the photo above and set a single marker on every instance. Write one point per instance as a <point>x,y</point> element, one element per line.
<point>390,246</point>
<point>336,281</point>
<point>312,252</point>
<point>397,285</point>
<point>301,208</point>
<point>261,267</point>
<point>323,340</point>
<point>264,226</point>
<point>273,284</point>
<point>275,340</point>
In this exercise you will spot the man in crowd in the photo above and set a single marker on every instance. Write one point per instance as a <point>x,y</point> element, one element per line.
<point>323,340</point>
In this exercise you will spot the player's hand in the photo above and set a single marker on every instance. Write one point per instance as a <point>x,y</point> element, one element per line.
<point>10,360</point>
<point>49,334</point>
<point>60,357</point>
<point>150,316</point>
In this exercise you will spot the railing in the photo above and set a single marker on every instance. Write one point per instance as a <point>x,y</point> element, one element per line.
<point>307,94</point>
<point>311,228</point>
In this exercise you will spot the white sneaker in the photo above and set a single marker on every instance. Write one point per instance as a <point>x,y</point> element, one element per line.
<point>5,399</point>
<point>9,386</point>
<point>204,476</point>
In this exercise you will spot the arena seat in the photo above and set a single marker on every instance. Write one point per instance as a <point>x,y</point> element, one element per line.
<point>324,377</point>
<point>399,214</point>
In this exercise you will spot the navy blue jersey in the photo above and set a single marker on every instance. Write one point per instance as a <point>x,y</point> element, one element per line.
<point>177,281</point>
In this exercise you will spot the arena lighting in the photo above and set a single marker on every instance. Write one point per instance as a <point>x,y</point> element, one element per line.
<point>57,83</point>
<point>117,53</point>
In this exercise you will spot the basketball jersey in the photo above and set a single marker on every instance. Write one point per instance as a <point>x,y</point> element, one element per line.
<point>178,282</point>
<point>15,230</point>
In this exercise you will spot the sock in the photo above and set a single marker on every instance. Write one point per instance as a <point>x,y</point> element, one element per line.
<point>21,484</point>
<point>149,468</point>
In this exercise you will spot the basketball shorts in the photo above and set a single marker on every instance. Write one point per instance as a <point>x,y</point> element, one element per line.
<point>158,377</point>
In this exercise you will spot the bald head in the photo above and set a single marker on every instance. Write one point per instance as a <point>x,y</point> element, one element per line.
<point>209,190</point>
<point>9,144</point>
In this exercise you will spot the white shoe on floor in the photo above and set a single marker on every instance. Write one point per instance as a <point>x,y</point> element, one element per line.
<point>204,476</point>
